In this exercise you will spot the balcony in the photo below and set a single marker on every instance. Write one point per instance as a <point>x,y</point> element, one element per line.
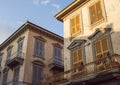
<point>96,71</point>
<point>55,63</point>
<point>15,59</point>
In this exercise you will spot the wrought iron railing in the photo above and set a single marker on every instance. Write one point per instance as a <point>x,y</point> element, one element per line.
<point>16,54</point>
<point>56,61</point>
<point>95,67</point>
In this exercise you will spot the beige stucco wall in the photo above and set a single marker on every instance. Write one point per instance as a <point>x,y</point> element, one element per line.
<point>14,49</point>
<point>112,19</point>
<point>48,54</point>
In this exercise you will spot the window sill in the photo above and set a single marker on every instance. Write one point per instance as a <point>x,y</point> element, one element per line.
<point>41,57</point>
<point>98,23</point>
<point>75,35</point>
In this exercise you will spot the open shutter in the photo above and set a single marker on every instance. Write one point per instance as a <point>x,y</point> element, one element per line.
<point>99,10</point>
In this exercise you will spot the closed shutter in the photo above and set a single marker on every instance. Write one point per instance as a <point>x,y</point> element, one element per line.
<point>19,50</point>
<point>75,57</point>
<point>77,60</point>
<point>96,12</point>
<point>105,47</point>
<point>98,49</point>
<point>93,15</point>
<point>72,26</point>
<point>99,10</point>
<point>101,48</point>
<point>77,23</point>
<point>37,75</point>
<point>5,75</point>
<point>39,47</point>
<point>16,76</point>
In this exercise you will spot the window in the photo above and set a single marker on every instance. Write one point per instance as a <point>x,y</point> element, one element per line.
<point>0,59</point>
<point>5,74</point>
<point>96,12</point>
<point>39,48</point>
<point>37,75</point>
<point>19,50</point>
<point>57,53</point>
<point>16,75</point>
<point>75,25</point>
<point>77,57</point>
<point>9,53</point>
<point>101,48</point>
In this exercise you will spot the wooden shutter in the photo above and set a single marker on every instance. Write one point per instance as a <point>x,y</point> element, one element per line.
<point>72,26</point>
<point>98,49</point>
<point>99,10</point>
<point>93,14</point>
<point>80,54</point>
<point>74,56</point>
<point>105,47</point>
<point>77,19</point>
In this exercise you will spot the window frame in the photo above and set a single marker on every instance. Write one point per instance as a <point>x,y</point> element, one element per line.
<point>82,61</point>
<point>102,51</point>
<point>38,67</point>
<point>43,48</point>
<point>5,77</point>
<point>80,25</point>
<point>103,13</point>
<point>15,82</point>
<point>58,50</point>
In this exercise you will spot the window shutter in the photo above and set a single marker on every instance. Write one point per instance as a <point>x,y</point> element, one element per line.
<point>77,23</point>
<point>104,44</point>
<point>99,10</point>
<point>80,54</point>
<point>72,26</point>
<point>5,75</point>
<point>98,49</point>
<point>93,15</point>
<point>75,57</point>
<point>16,76</point>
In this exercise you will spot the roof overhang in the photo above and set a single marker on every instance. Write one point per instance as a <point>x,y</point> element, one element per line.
<point>76,3</point>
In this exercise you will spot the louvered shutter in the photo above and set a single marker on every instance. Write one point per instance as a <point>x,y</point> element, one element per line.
<point>93,15</point>
<point>16,76</point>
<point>77,19</point>
<point>72,26</point>
<point>80,54</point>
<point>98,49</point>
<point>75,57</point>
<point>5,75</point>
<point>99,10</point>
<point>19,50</point>
<point>105,47</point>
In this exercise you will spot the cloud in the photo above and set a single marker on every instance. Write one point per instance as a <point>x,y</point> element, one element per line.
<point>57,6</point>
<point>42,2</point>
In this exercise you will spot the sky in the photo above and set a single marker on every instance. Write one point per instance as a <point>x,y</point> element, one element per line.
<point>14,13</point>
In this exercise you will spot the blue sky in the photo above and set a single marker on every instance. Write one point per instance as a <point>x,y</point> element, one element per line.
<point>14,13</point>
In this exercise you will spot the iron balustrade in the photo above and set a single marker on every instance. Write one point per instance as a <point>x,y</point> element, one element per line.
<point>98,66</point>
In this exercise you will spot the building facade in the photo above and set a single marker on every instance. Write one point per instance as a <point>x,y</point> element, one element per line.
<point>30,55</point>
<point>91,43</point>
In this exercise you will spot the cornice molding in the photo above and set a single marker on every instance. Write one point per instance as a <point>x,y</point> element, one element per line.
<point>57,45</point>
<point>99,31</point>
<point>40,38</point>
<point>76,43</point>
